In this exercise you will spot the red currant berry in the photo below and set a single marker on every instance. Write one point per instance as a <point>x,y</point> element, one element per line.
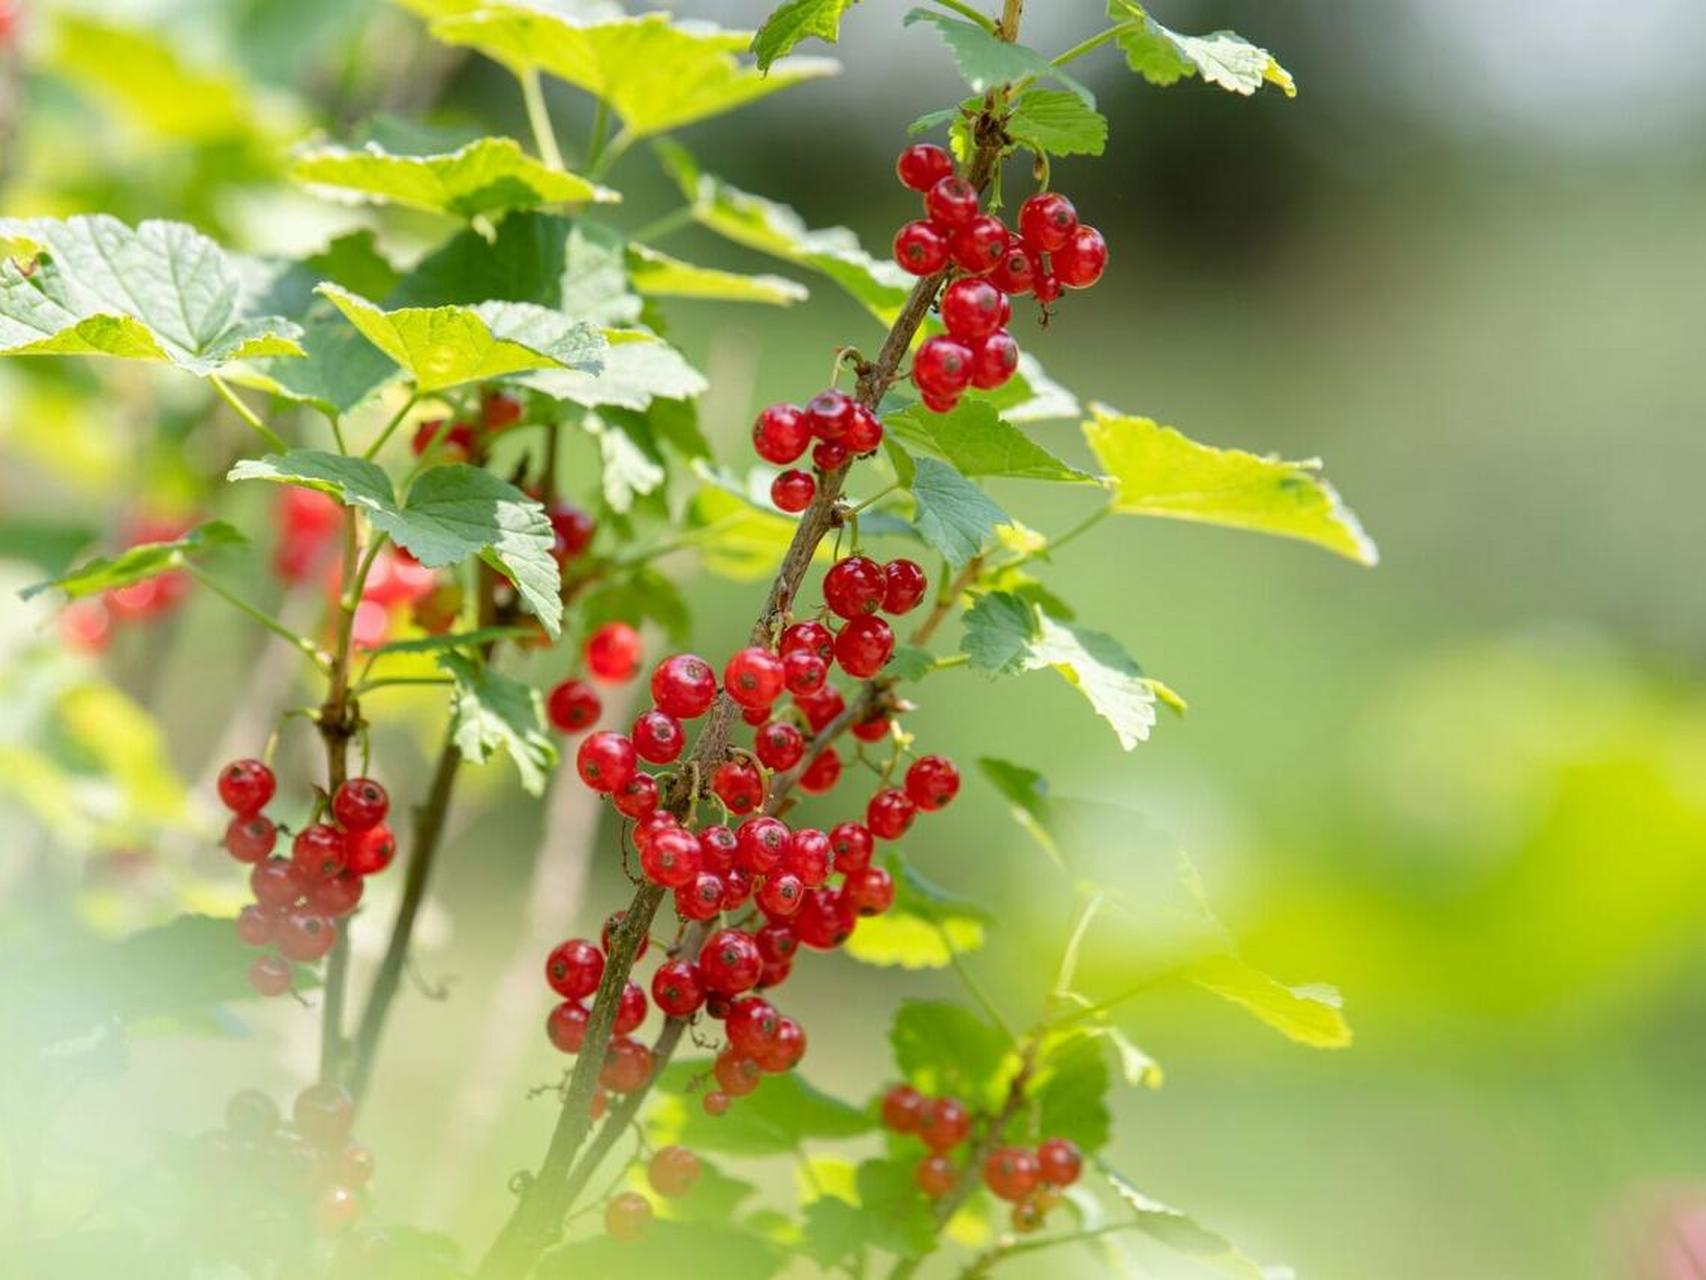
<point>776,943</point>
<point>936,1176</point>
<point>942,367</point>
<point>922,165</point>
<point>904,585</point>
<point>336,897</point>
<point>644,830</point>
<point>630,1009</point>
<point>753,677</point>
<point>716,1003</point>
<point>571,530</point>
<point>978,247</point>
<point>1081,262</point>
<point>863,646</point>
<point>737,888</point>
<point>827,455</point>
<point>717,846</point>
<point>613,922</point>
<point>793,491</point>
<point>1060,1162</point>
<point>627,1216</point>
<point>684,685</point>
<point>1011,1173</point>
<point>851,844</point>
<point>574,968</point>
<point>637,797</point>
<point>889,814</point>
<point>994,360</point>
<point>730,962</point>
<point>319,851</point>
<point>865,434</point>
<point>613,653</point>
<point>823,921</point>
<point>736,1075</point>
<point>715,1103</point>
<point>808,856</point>
<point>920,248</point>
<point>255,926</point>
<point>853,586</point>
<point>1016,271</point>
<point>701,898</point>
<point>360,804</point>
<point>1046,287</point>
<point>250,837</point>
<point>672,1171</point>
<point>658,737</point>
<point>870,892</point>
<point>751,1025</point>
<point>773,975</point>
<point>324,1113</point>
<point>780,895</point>
<point>938,404</point>
<point>951,202</point>
<point>671,857</point>
<point>270,975</point>
<point>245,786</point>
<point>760,844</point>
<point>572,706</point>
<point>456,446</point>
<point>371,851</point>
<point>808,637</point>
<point>785,1050</point>
<point>738,785</point>
<point>605,760</point>
<point>499,409</point>
<point>903,1109</point>
<point>804,673</point>
<point>945,1124</point>
<point>822,773</point>
<point>276,884</point>
<point>677,989</point>
<point>829,414</point>
<point>821,707</point>
<point>627,1066</point>
<point>1047,221</point>
<point>932,781</point>
<point>974,309</point>
<point>779,745</point>
<point>565,1025</point>
<point>780,434</point>
<point>873,726</point>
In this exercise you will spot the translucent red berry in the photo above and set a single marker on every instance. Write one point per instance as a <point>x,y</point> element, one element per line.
<point>951,202</point>
<point>830,413</point>
<point>337,896</point>
<point>920,248</point>
<point>637,797</point>
<point>255,926</point>
<point>1081,262</point>
<point>973,309</point>
<point>793,491</point>
<point>729,961</point>
<point>1060,1162</point>
<point>922,165</point>
<point>753,677</point>
<point>676,988</point>
<point>627,1216</point>
<point>808,637</point>
<point>853,586</point>
<point>851,845</point>
<point>935,1175</point>
<point>324,1113</point>
<point>715,1103</point>
<point>994,360</point>
<point>658,737</point>
<point>360,803</point>
<point>873,726</point>
<point>672,1171</point>
<point>945,1124</point>
<point>270,975</point>
<point>904,585</point>
<point>684,685</point>
<point>717,846</point>
<point>245,786</point>
<point>780,895</point>
<point>779,745</point>
<point>1047,221</point>
<point>736,1076</point>
<point>827,455</point>
<point>1011,1173</point>
<point>573,705</point>
<point>942,367</point>
<point>574,968</point>
<point>627,1066</point>
<point>565,1026</point>
<point>737,888</point>
<point>785,1049</point>
<point>702,897</point>
<point>305,936</point>
<point>808,856</point>
<point>824,921</point>
<point>605,760</point>
<point>1016,271</point>
<point>865,432</point>
<point>978,247</point>
<point>630,1008</point>
<point>821,707</point>
<point>750,1025</point>
<point>863,646</point>
<point>903,1109</point>
<point>822,773</point>
<point>571,530</point>
<point>319,850</point>
<point>371,851</point>
<point>276,883</point>
<point>250,837</point>
<point>870,892</point>
<point>671,857</point>
<point>780,434</point>
<point>613,652</point>
<point>932,781</point>
<point>1047,287</point>
<point>776,943</point>
<point>889,814</point>
<point>738,785</point>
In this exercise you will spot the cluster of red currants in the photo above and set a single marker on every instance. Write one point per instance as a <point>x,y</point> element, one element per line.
<point>671,1173</point>
<point>87,624</point>
<point>842,427</point>
<point>461,440</point>
<point>1051,251</point>
<point>300,899</point>
<point>309,1168</point>
<point>1030,1180</point>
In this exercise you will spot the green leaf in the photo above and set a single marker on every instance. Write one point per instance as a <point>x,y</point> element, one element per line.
<point>736,538</point>
<point>975,439</point>
<point>954,515</point>
<point>491,712</point>
<point>452,640</point>
<point>160,292</point>
<point>1164,57</point>
<point>1070,1093</point>
<point>486,177</point>
<point>794,21</point>
<point>1311,1015</point>
<point>783,1112</point>
<point>643,594</point>
<point>1057,123</point>
<point>1006,634</point>
<point>896,1212</point>
<point>441,347</point>
<point>1179,1231</point>
<point>924,929</point>
<point>987,63</point>
<point>1030,395</point>
<point>909,663</point>
<point>140,562</point>
<point>943,1048</point>
<point>657,275</point>
<point>719,1251</point>
<point>1159,472</point>
<point>636,372</point>
<point>657,74</point>
<point>631,467</point>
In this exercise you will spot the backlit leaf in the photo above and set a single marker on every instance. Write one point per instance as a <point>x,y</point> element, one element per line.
<point>953,515</point>
<point>794,21</point>
<point>491,712</point>
<point>140,562</point>
<point>977,441</point>
<point>987,63</point>
<point>658,275</point>
<point>1311,1015</point>
<point>1164,57</point>
<point>1057,123</point>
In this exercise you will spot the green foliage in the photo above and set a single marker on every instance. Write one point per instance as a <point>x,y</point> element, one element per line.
<point>987,63</point>
<point>1180,1232</point>
<point>1311,1015</point>
<point>1057,122</point>
<point>775,1119</point>
<point>1069,1093</point>
<point>794,21</point>
<point>140,562</point>
<point>1223,58</point>
<point>953,515</point>
<point>889,1215</point>
<point>720,1251</point>
<point>977,441</point>
<point>945,1048</point>
<point>925,928</point>
<point>490,711</point>
<point>657,275</point>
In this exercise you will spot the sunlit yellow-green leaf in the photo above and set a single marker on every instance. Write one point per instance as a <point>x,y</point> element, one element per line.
<point>1311,1015</point>
<point>902,939</point>
<point>487,176</point>
<point>658,275</point>
<point>1225,58</point>
<point>139,563</point>
<point>735,538</point>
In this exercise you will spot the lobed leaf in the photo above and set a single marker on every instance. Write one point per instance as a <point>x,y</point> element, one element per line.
<point>1057,122</point>
<point>1070,1093</point>
<point>924,928</point>
<point>657,275</point>
<point>491,712</point>
<point>794,21</point>
<point>987,63</point>
<point>139,563</point>
<point>945,1048</point>
<point>977,441</point>
<point>1164,57</point>
<point>953,515</point>
<point>1312,1015</point>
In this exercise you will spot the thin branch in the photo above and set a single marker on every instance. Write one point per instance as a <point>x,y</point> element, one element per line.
<point>302,644</point>
<point>966,11</point>
<point>539,117</point>
<point>248,415</point>
<point>396,420</point>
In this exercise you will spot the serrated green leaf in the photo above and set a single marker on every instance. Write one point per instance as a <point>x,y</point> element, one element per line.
<point>160,292</point>
<point>1070,1093</point>
<point>719,1251</point>
<point>1057,123</point>
<point>794,21</point>
<point>1159,472</point>
<point>631,467</point>
<point>1311,1015</point>
<point>987,63</point>
<point>140,562</point>
<point>491,712</point>
<point>783,1112</point>
<point>657,73</point>
<point>953,515</point>
<point>486,177</point>
<point>945,1048</point>
<point>976,441</point>
<point>1180,1232</point>
<point>635,373</point>
<point>354,482</point>
<point>1164,57</point>
<point>909,663</point>
<point>1000,631</point>
<point>657,275</point>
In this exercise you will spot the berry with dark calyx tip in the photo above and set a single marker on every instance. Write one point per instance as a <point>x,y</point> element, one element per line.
<point>1047,221</point>
<point>936,1175</point>
<point>636,797</point>
<point>922,165</point>
<point>245,786</point>
<point>1046,287</point>
<point>779,745</point>
<point>360,804</point>
<point>751,1025</point>
<point>1081,262</point>
<point>904,585</point>
<point>973,309</point>
<point>572,705</point>
<point>793,491</point>
<point>785,1050</point>
<point>1011,1173</point>
<point>717,846</point>
<point>251,1114</point>
<point>627,1216</point>
<point>658,737</point>
<point>729,961</point>
<point>336,1209</point>
<point>571,530</point>
<point>1026,1217</point>
<point>738,785</point>
<point>920,248</point>
<point>776,943</point>
<point>371,851</point>
<point>865,433</point>
<point>672,1171</point>
<point>574,968</point>
<point>737,888</point>
<point>803,673</point>
<point>319,850</point>
<point>737,1076</point>
<point>827,455</point>
<point>255,926</point>
<point>613,922</point>
<point>684,685</point>
<point>853,586</point>
<point>822,773</point>
<point>829,414</point>
<point>276,884</point>
<point>337,896</point>
<point>903,1109</point>
<point>808,856</point>
<point>780,895</point>
<point>808,637</point>
<point>250,837</point>
<point>932,781</point>
<point>774,975</point>
<point>760,844</point>
<point>871,891</point>
<point>702,897</point>
<point>566,1026</point>
<point>823,921</point>
<point>753,677</point>
<point>889,813</point>
<point>630,1008</point>
<point>951,202</point>
<point>671,858</point>
<point>270,975</point>
<point>715,1103</point>
<point>851,844</point>
<point>945,1124</point>
<point>863,646</point>
<point>627,1066</point>
<point>644,830</point>
<point>605,760</point>
<point>994,361</point>
<point>1016,271</point>
<point>613,653</point>
<point>323,1114</point>
<point>942,367</point>
<point>716,1003</point>
<point>677,989</point>
<point>821,707</point>
<point>1060,1162</point>
<point>978,247</point>
<point>780,434</point>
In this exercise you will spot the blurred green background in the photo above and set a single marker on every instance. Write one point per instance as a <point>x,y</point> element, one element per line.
<point>1467,267</point>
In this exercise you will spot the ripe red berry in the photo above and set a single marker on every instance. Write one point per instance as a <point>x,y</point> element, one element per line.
<point>729,962</point>
<point>780,895</point>
<point>276,884</point>
<point>978,247</point>
<point>973,309</point>
<point>827,455</point>
<point>565,1025</point>
<point>337,896</point>
<point>751,1025</point>
<point>776,943</point>
<point>935,1175</point>
<point>677,989</point>
<point>944,1124</point>
<point>738,785</point>
<point>627,1216</point>
<point>456,446</point>
<point>359,804</point>
<point>318,851</point>
<point>637,797</point>
<point>702,897</point>
<point>371,851</point>
<point>829,414</point>
<point>658,737</point>
<point>821,707</point>
<point>932,781</point>
<point>684,685</point>
<point>574,968</point>
<point>572,706</point>
<point>717,846</point>
<point>255,926</point>
<point>822,773</point>
<point>851,845</point>
<point>853,586</point>
<point>1047,221</point>
<point>627,1066</point>
<point>803,672</point>
<point>630,1008</point>
<point>671,857</point>
<point>1016,271</point>
<point>951,202</point>
<point>994,360</point>
<point>1011,1173</point>
<point>942,367</point>
<point>672,1171</point>
<point>889,813</point>
<point>1060,1162</point>
<point>774,975</point>
<point>1047,287</point>
<point>865,432</point>
<point>793,491</point>
<point>715,1103</point>
<point>613,653</point>
<point>938,403</point>
<point>824,921</point>
<point>779,745</point>
<point>737,888</point>
<point>808,856</point>
<point>499,409</point>
<point>780,434</point>
<point>903,1109</point>
<point>922,165</point>
<point>736,1075</point>
<point>571,530</point>
<point>870,892</point>
<point>270,975</point>
<point>904,585</point>
<point>336,1209</point>
<point>753,677</point>
<point>250,837</point>
<point>1083,259</point>
<point>605,760</point>
<point>245,786</point>
<point>808,637</point>
<point>323,1113</point>
<point>863,646</point>
<point>920,248</point>
<point>760,844</point>
<point>785,1049</point>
